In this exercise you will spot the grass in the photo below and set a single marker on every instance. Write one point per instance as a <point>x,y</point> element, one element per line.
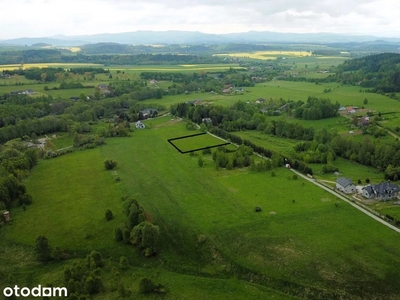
<point>289,244</point>
<point>196,142</point>
<point>77,184</point>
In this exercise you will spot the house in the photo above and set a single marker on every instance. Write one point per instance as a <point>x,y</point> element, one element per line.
<point>153,81</point>
<point>206,120</point>
<point>139,125</point>
<point>195,102</point>
<point>342,108</point>
<point>350,110</point>
<point>260,100</point>
<point>364,121</point>
<point>383,191</point>
<point>149,113</point>
<point>226,90</point>
<point>102,86</point>
<point>345,185</point>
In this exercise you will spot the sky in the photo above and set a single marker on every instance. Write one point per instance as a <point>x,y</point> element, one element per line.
<point>47,18</point>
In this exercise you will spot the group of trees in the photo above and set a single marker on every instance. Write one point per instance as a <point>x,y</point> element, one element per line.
<point>83,278</point>
<point>15,163</point>
<point>138,230</point>
<point>239,158</point>
<point>379,72</point>
<point>57,56</point>
<point>316,109</point>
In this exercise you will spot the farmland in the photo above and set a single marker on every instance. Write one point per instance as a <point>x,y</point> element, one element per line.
<point>300,243</point>
<point>303,242</point>
<point>264,55</point>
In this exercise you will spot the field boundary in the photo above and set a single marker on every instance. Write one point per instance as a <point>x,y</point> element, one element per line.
<point>193,150</point>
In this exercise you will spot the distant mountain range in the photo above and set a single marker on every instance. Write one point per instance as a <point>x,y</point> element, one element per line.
<point>195,37</point>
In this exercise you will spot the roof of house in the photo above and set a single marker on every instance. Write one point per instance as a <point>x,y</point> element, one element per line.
<point>382,188</point>
<point>344,182</point>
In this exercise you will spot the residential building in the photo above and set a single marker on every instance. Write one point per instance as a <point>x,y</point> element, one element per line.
<point>383,191</point>
<point>345,185</point>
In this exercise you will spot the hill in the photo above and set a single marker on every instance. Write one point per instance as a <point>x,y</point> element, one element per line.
<point>379,72</point>
<point>195,37</point>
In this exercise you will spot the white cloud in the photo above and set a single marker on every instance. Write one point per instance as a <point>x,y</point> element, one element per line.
<point>35,18</point>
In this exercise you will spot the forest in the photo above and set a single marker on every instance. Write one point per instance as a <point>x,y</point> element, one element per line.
<point>378,73</point>
<point>56,56</point>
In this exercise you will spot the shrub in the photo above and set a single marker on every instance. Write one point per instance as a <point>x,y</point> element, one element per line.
<point>118,235</point>
<point>146,286</point>
<point>109,215</point>
<point>123,262</point>
<point>109,164</point>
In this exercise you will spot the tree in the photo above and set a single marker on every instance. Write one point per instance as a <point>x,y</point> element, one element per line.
<point>43,248</point>
<point>367,180</point>
<point>145,236</point>
<point>365,101</point>
<point>200,162</point>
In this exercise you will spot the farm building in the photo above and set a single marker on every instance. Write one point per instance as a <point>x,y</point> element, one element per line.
<point>383,191</point>
<point>345,185</point>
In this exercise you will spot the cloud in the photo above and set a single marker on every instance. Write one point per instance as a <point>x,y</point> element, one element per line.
<point>34,18</point>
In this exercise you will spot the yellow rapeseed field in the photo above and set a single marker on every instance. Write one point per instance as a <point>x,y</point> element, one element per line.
<point>267,54</point>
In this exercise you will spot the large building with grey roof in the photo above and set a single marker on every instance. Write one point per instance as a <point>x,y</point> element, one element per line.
<point>383,191</point>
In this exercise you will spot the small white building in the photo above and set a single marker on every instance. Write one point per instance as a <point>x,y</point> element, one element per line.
<point>345,185</point>
<point>139,125</point>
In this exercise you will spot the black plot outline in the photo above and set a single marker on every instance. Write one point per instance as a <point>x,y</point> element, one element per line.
<point>193,150</point>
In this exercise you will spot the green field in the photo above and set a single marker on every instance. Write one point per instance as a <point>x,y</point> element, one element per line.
<point>196,142</point>
<point>305,247</point>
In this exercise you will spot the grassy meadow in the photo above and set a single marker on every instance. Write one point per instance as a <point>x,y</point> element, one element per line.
<point>300,243</point>
<point>196,142</point>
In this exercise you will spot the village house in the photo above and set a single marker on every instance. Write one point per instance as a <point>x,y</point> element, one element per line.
<point>350,110</point>
<point>260,100</point>
<point>206,120</point>
<point>383,191</point>
<point>149,113</point>
<point>364,121</point>
<point>345,185</point>
<point>195,102</point>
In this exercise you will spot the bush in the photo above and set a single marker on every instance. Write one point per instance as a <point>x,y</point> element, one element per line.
<point>146,286</point>
<point>109,215</point>
<point>123,262</point>
<point>118,235</point>
<point>109,164</point>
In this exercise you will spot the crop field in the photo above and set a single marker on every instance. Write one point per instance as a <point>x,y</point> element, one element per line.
<point>300,238</point>
<point>175,68</point>
<point>264,55</point>
<point>47,65</point>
